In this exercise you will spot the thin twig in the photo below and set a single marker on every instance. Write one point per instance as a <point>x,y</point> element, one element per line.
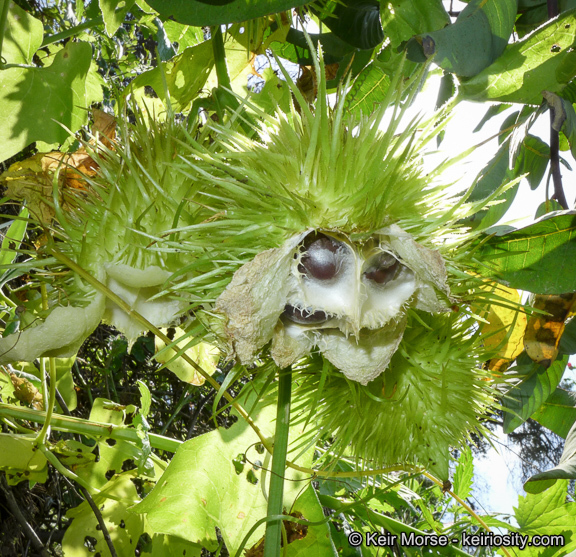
<point>17,513</point>
<point>555,164</point>
<point>196,414</point>
<point>100,520</point>
<point>464,505</point>
<point>555,136</point>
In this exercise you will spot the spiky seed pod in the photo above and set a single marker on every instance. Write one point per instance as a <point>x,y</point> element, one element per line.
<point>348,252</point>
<point>340,216</point>
<point>114,230</point>
<point>427,401</point>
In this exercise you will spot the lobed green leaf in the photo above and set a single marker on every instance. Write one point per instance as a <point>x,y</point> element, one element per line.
<point>22,36</point>
<point>35,103</point>
<point>540,258</point>
<point>477,38</point>
<point>218,12</point>
<point>544,59</point>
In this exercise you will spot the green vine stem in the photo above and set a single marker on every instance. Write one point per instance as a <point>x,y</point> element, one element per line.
<point>49,400</point>
<point>464,505</point>
<point>276,492</point>
<point>70,424</point>
<point>53,459</point>
<point>220,57</point>
<point>72,32</point>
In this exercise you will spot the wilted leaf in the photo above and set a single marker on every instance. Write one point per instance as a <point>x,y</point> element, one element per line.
<point>543,332</point>
<point>36,102</point>
<point>32,179</point>
<point>505,329</point>
<point>540,258</point>
<point>544,59</point>
<point>477,38</point>
<point>26,392</point>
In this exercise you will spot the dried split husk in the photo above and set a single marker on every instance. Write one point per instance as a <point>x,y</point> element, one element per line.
<point>362,320</point>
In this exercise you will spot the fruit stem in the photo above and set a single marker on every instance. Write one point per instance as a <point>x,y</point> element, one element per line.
<point>276,493</point>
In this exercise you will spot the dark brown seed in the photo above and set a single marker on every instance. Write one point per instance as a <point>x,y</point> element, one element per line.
<point>304,317</point>
<point>382,268</point>
<point>321,259</point>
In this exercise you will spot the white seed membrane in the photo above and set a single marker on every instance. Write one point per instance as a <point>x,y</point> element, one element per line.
<point>136,287</point>
<point>66,328</point>
<point>350,306</point>
<point>59,336</point>
<point>362,358</point>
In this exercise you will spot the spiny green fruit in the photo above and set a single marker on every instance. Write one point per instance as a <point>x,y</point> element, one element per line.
<point>338,228</point>
<point>114,230</point>
<point>427,401</point>
<point>351,260</point>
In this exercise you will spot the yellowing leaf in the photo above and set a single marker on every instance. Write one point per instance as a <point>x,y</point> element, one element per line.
<point>204,354</point>
<point>505,329</point>
<point>21,460</point>
<point>32,178</point>
<point>543,332</point>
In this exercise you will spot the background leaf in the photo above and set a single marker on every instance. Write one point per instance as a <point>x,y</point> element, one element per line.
<point>22,36</point>
<point>185,74</point>
<point>539,258</point>
<point>66,88</point>
<point>196,12</point>
<point>558,413</point>
<point>547,514</point>
<point>477,38</point>
<point>464,474</point>
<point>356,22</point>
<point>565,470</point>
<point>524,399</point>
<point>402,19</point>
<point>545,59</point>
<point>114,12</point>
